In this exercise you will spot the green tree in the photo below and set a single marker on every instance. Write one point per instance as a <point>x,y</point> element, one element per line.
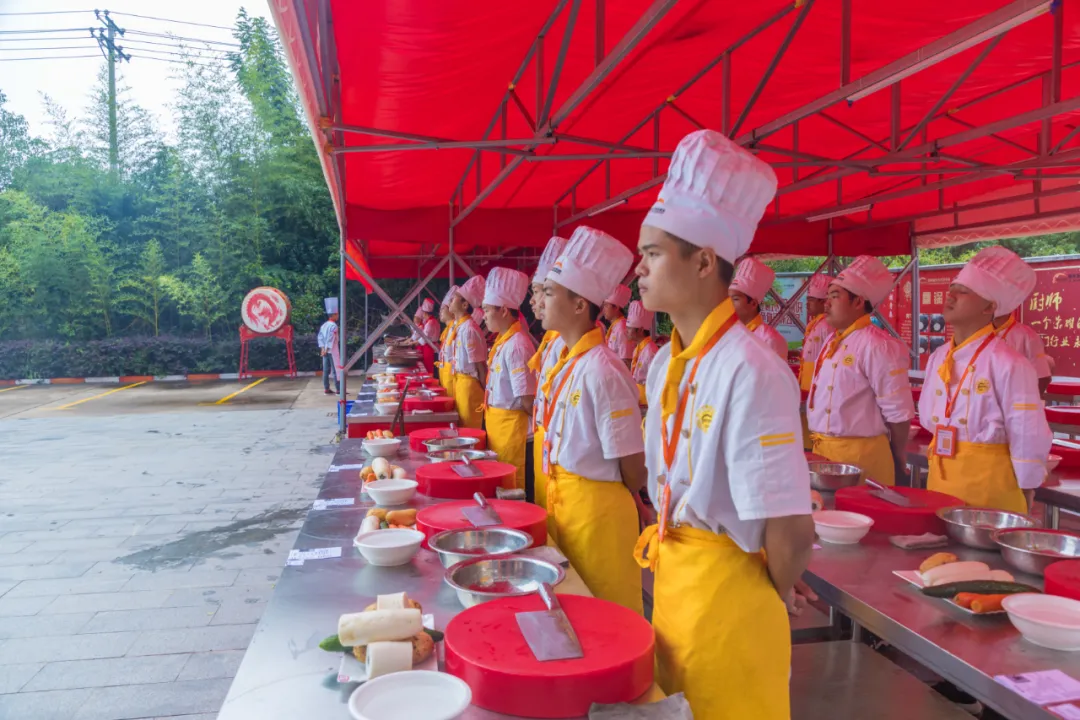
<point>200,296</point>
<point>143,294</point>
<point>16,145</point>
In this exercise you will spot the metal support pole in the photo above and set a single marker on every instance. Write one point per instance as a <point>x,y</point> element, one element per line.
<point>725,96</point>
<point>894,118</point>
<point>450,252</point>
<point>342,338</point>
<point>845,42</point>
<point>916,299</point>
<point>598,53</point>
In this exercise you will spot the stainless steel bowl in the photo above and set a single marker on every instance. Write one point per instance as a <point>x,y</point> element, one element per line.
<point>456,443</point>
<point>450,455</point>
<point>454,546</point>
<point>1031,551</point>
<point>975,527</point>
<point>833,476</point>
<point>490,578</point>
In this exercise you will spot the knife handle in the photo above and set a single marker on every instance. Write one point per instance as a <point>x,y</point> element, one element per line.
<point>875,484</point>
<point>480,500</point>
<point>548,594</point>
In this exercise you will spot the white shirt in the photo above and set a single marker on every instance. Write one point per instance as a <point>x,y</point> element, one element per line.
<point>640,369</point>
<point>862,387</point>
<point>1025,341</point>
<point>745,447</point>
<point>596,420</point>
<point>327,334</point>
<point>998,403</point>
<point>509,378</point>
<point>470,349</point>
<point>814,341</point>
<point>772,337</point>
<point>618,339</point>
<point>431,329</point>
<point>547,362</point>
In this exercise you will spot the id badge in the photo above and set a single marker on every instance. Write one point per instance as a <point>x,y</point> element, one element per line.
<point>545,457</point>
<point>665,504</point>
<point>945,441</point>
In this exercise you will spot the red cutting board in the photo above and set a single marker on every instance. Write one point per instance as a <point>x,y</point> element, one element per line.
<point>485,648</point>
<point>1063,414</point>
<point>417,437</point>
<point>1063,578</point>
<point>438,480</point>
<point>418,382</point>
<point>1064,387</point>
<point>439,403</point>
<point>895,520</point>
<point>514,513</point>
<point>1070,457</point>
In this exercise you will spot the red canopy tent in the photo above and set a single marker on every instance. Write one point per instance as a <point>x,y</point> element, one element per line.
<point>460,133</point>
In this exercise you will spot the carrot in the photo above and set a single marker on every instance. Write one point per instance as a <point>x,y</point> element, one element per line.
<point>964,599</point>
<point>987,603</point>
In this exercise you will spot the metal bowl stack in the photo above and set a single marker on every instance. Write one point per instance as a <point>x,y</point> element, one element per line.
<point>452,443</point>
<point>454,546</point>
<point>489,578</point>
<point>452,455</point>
<point>830,476</point>
<point>975,527</point>
<point>1032,551</point>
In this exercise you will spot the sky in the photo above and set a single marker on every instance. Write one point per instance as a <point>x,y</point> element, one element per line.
<point>69,81</point>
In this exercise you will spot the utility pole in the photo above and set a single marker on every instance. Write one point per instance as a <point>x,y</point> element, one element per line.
<point>106,41</point>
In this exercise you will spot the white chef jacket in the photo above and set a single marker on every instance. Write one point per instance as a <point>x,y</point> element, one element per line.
<point>640,369</point>
<point>743,462</point>
<point>431,329</point>
<point>618,339</point>
<point>470,349</point>
<point>596,420</point>
<point>509,378</point>
<point>999,403</point>
<point>1024,340</point>
<point>547,362</point>
<point>772,337</point>
<point>814,341</point>
<point>327,335</point>
<point>862,387</point>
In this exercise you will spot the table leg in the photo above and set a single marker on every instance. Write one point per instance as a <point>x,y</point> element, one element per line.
<point>1052,517</point>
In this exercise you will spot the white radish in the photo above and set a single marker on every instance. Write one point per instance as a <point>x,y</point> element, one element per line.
<point>400,473</point>
<point>1001,576</point>
<point>956,572</point>
<point>381,468</point>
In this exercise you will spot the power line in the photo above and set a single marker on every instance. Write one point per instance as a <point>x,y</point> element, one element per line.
<point>39,31</point>
<point>134,52</point>
<point>44,39</point>
<point>130,42</point>
<point>182,22</point>
<point>177,37</point>
<point>51,12</point>
<point>54,47</point>
<point>181,62</point>
<point>57,57</point>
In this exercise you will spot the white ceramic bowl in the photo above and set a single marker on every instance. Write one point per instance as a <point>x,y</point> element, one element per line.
<point>386,408</point>
<point>391,492</point>
<point>411,695</point>
<point>1048,621</point>
<point>1052,462</point>
<point>841,527</point>
<point>389,547</point>
<point>382,448</point>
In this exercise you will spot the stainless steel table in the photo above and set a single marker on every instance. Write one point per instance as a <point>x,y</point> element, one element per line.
<point>284,675</point>
<point>363,411</point>
<point>857,581</point>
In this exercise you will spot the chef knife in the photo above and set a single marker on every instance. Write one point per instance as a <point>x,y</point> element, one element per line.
<point>481,514</point>
<point>451,433</point>
<point>549,633</point>
<point>891,496</point>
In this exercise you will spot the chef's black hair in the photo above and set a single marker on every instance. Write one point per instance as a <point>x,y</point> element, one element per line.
<point>726,269</point>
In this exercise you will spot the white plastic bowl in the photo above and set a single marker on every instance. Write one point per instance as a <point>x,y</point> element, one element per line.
<point>386,408</point>
<point>382,448</point>
<point>411,695</point>
<point>841,527</point>
<point>1048,621</point>
<point>396,491</point>
<point>1052,462</point>
<point>390,547</point>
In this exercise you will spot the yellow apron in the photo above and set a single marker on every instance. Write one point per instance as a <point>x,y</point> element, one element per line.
<point>446,377</point>
<point>596,527</point>
<point>468,399</point>
<point>642,400</point>
<point>806,375</point>
<point>540,478</point>
<point>807,436</point>
<point>722,632</point>
<point>981,474</point>
<point>872,454</point>
<point>507,432</point>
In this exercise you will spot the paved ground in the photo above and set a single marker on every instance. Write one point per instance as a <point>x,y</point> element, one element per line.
<point>141,533</point>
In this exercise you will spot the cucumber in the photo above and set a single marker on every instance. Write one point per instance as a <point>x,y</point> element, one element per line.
<point>333,644</point>
<point>982,587</point>
<point>435,635</point>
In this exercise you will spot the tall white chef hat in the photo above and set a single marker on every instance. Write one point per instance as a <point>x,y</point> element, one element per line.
<point>506,288</point>
<point>331,305</point>
<point>638,317</point>
<point>428,306</point>
<point>866,277</point>
<point>473,291</point>
<point>999,275</point>
<point>450,295</point>
<point>753,278</point>
<point>592,264</point>
<point>819,287</point>
<point>714,195</point>
<point>551,253</point>
<point>619,296</point>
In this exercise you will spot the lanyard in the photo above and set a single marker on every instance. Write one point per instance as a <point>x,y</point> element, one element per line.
<point>1004,330</point>
<point>833,345</point>
<point>549,403</point>
<point>754,324</point>
<point>950,398</point>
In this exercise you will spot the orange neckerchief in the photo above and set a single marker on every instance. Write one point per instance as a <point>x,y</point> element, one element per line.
<point>837,338</point>
<point>537,360</point>
<point>588,341</point>
<point>637,352</point>
<point>607,338</point>
<point>814,321</point>
<point>1004,330</point>
<point>945,372</point>
<point>501,340</point>
<point>454,329</point>
<point>718,322</point>
<point>754,324</point>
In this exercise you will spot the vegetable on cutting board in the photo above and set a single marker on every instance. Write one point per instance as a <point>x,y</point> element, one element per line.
<point>936,560</point>
<point>980,587</point>
<point>387,637</point>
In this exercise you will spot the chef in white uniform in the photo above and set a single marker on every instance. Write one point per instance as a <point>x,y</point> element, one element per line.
<point>753,279</point>
<point>469,354</point>
<point>1022,338</point>
<point>612,311</point>
<point>639,323</point>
